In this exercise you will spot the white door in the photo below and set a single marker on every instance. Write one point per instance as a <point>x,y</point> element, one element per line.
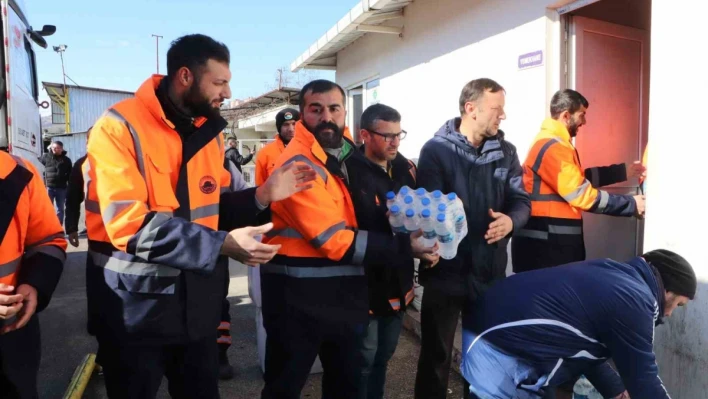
<point>612,72</point>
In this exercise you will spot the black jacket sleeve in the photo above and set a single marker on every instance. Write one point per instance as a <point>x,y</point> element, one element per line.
<point>517,203</point>
<point>239,209</point>
<point>66,172</point>
<point>602,176</point>
<point>42,272</point>
<point>74,197</point>
<point>246,159</point>
<point>430,173</point>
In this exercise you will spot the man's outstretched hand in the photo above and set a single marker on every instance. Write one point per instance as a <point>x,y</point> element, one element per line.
<point>286,181</point>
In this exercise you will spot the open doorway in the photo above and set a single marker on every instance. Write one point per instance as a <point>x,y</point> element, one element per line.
<point>608,59</point>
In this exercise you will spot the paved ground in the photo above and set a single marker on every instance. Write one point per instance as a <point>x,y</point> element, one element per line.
<point>65,343</point>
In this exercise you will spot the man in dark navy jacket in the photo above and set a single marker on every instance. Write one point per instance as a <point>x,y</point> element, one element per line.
<point>469,157</point>
<point>536,330</point>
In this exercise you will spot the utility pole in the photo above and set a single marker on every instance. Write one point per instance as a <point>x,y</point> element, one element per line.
<point>157,51</point>
<point>65,98</point>
<point>280,78</point>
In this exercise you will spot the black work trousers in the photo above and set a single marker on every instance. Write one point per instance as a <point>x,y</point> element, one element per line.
<point>439,315</point>
<point>294,340</point>
<point>134,371</point>
<point>20,351</point>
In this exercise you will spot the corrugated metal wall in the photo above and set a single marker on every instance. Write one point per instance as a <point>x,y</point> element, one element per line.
<point>86,106</point>
<point>74,145</point>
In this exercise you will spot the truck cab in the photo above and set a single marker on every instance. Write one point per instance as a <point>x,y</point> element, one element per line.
<point>20,129</point>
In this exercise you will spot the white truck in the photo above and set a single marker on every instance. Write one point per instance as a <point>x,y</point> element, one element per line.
<point>20,130</point>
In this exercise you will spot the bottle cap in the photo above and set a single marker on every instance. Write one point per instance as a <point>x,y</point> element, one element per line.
<point>421,191</point>
<point>425,201</point>
<point>390,195</point>
<point>442,208</point>
<point>437,194</point>
<point>441,217</point>
<point>404,191</point>
<point>395,209</point>
<point>425,213</point>
<point>451,196</point>
<point>410,213</point>
<point>408,199</point>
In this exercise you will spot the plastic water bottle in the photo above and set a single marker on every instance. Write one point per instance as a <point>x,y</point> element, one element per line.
<point>396,219</point>
<point>408,202</point>
<point>424,204</point>
<point>437,197</point>
<point>583,389</point>
<point>390,199</point>
<point>428,226</point>
<point>446,237</point>
<point>411,221</point>
<point>420,194</point>
<point>403,192</point>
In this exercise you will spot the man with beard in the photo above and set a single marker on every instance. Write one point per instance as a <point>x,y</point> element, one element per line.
<point>561,190</point>
<point>537,330</point>
<point>265,161</point>
<point>315,289</point>
<point>57,170</point>
<point>162,220</point>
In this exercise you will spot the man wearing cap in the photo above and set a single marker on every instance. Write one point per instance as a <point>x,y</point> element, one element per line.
<point>536,330</point>
<point>265,161</point>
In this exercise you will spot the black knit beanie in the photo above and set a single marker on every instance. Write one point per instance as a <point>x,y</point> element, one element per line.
<point>677,274</point>
<point>288,114</point>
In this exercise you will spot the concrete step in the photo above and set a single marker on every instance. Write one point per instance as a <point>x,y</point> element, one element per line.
<point>411,322</point>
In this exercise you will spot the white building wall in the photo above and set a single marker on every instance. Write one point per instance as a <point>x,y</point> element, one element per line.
<point>445,44</point>
<point>675,216</point>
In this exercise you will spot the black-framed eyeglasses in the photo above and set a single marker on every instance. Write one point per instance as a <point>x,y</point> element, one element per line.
<point>388,137</point>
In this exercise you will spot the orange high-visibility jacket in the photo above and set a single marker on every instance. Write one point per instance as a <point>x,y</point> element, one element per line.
<point>323,252</point>
<point>560,193</point>
<point>152,213</point>
<point>266,158</point>
<point>32,244</point>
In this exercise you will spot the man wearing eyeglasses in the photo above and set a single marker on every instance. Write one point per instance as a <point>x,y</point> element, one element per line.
<point>470,157</point>
<point>378,169</point>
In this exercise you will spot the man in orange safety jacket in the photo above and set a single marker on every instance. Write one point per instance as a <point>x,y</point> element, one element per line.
<point>561,190</point>
<point>160,214</point>
<point>314,292</point>
<point>32,256</point>
<point>265,160</point>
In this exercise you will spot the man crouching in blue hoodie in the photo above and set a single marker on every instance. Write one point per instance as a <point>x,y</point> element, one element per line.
<point>537,330</point>
<point>469,157</point>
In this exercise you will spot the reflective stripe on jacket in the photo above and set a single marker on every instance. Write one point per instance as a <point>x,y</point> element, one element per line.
<point>152,214</point>
<point>266,158</point>
<point>32,244</point>
<point>319,268</point>
<point>559,193</point>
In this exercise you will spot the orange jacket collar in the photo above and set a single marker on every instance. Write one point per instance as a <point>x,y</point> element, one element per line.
<point>304,136</point>
<point>147,95</point>
<point>556,129</point>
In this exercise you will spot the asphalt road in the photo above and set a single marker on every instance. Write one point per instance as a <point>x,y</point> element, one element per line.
<point>65,343</point>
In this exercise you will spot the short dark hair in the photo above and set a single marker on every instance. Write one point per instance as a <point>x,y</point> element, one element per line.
<point>193,52</point>
<point>58,142</point>
<point>567,100</point>
<point>319,86</point>
<point>475,89</point>
<point>378,112</point>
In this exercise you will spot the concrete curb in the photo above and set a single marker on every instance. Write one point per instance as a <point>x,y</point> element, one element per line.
<point>411,322</point>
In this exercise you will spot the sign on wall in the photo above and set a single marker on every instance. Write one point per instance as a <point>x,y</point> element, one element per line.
<point>531,60</point>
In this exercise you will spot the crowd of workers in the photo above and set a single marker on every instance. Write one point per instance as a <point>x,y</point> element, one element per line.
<point>166,208</point>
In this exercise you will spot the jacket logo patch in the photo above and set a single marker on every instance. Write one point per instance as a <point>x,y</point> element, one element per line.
<point>207,184</point>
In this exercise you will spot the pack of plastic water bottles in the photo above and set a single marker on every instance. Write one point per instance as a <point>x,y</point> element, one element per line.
<point>440,216</point>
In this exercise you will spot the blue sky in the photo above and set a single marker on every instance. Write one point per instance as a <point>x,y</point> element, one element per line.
<point>110,43</point>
